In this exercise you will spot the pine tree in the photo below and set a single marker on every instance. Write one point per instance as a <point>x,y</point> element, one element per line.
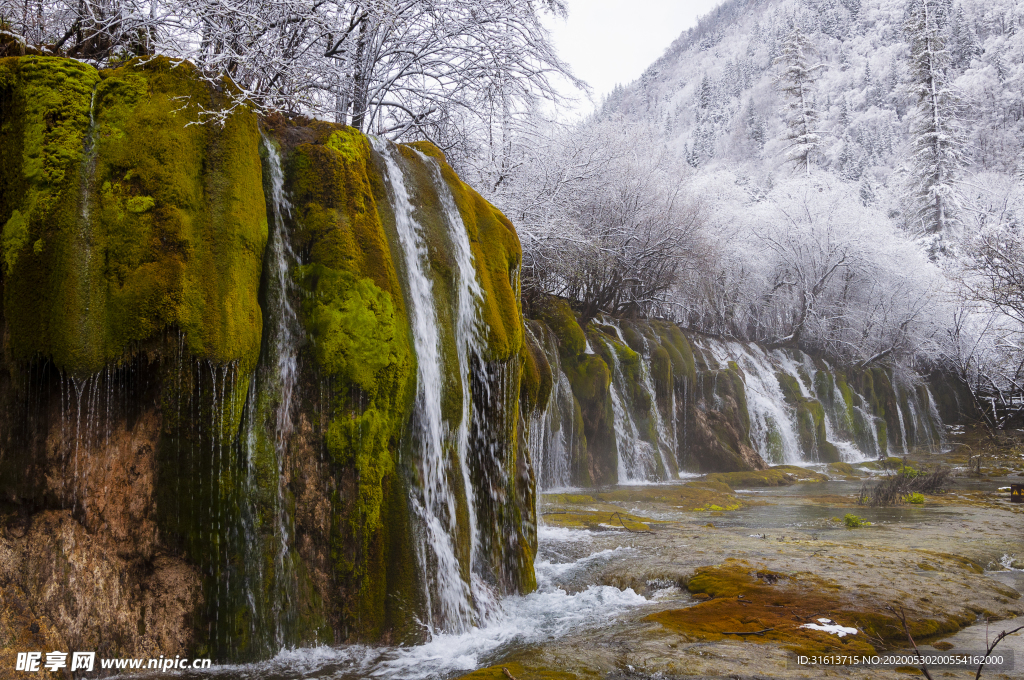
<point>937,136</point>
<point>963,43</point>
<point>796,82</point>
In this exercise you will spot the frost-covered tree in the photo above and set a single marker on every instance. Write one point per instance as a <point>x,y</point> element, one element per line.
<point>937,139</point>
<point>796,82</point>
<point>404,68</point>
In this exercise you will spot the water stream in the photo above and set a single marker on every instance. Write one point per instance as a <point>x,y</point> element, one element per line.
<point>449,599</point>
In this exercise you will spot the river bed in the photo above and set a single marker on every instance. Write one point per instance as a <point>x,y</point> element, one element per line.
<point>599,583</point>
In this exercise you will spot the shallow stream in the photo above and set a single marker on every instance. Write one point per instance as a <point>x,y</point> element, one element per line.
<point>595,587</point>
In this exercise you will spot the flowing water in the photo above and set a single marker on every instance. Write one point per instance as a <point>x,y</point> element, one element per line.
<point>553,433</point>
<point>554,611</point>
<point>449,598</point>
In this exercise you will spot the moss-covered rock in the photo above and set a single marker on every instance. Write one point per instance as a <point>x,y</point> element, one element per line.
<point>121,220</point>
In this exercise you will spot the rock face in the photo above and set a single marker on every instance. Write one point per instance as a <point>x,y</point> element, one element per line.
<point>643,400</point>
<point>260,382</point>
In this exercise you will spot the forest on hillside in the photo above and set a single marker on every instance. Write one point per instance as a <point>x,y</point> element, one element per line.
<point>839,176</point>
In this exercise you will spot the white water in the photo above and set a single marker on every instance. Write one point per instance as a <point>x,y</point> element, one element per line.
<point>666,440</point>
<point>553,430</point>
<point>636,462</point>
<point>449,598</point>
<point>469,346</point>
<point>766,404</point>
<point>903,426</point>
<point>933,412</point>
<point>546,614</point>
<point>284,335</point>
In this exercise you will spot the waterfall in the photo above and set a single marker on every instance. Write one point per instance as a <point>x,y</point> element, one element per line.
<point>469,345</point>
<point>903,426</point>
<point>636,459</point>
<point>665,439</point>
<point>449,599</point>
<point>773,423</point>
<point>553,430</point>
<point>933,412</point>
<point>773,432</point>
<point>284,334</point>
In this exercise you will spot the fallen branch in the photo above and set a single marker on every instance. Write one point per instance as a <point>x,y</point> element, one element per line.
<point>635,531</point>
<point>906,629</point>
<point>754,632</point>
<point>507,674</point>
<point>999,638</point>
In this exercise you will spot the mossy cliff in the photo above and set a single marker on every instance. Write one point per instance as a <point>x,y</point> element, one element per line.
<point>688,402</point>
<point>680,416</point>
<point>121,220</point>
<point>144,396</point>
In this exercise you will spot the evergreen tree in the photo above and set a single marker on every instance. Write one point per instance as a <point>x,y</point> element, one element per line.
<point>936,133</point>
<point>963,43</point>
<point>796,82</point>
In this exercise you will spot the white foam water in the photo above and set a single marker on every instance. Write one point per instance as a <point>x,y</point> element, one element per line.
<point>548,613</point>
<point>449,600</point>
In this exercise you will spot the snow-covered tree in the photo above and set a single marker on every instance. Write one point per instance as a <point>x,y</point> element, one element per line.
<point>403,68</point>
<point>796,81</point>
<point>937,139</point>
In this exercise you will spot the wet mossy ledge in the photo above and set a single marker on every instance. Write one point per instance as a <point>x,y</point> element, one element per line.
<point>698,404</point>
<point>141,384</point>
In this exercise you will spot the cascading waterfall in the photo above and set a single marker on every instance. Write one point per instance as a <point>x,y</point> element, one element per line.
<point>772,426</point>
<point>284,334</point>
<point>449,598</point>
<point>637,461</point>
<point>665,438</point>
<point>835,417</point>
<point>553,430</point>
<point>469,345</point>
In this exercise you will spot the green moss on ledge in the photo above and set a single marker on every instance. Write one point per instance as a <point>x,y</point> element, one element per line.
<point>120,220</point>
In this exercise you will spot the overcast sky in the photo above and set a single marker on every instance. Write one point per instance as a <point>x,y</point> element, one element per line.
<point>608,42</point>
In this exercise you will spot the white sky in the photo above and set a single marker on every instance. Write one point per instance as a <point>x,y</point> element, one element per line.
<point>609,42</point>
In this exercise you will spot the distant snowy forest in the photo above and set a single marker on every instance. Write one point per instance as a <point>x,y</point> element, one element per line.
<point>842,176</point>
<point>839,175</point>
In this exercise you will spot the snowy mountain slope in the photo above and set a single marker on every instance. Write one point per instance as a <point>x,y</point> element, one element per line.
<point>714,99</point>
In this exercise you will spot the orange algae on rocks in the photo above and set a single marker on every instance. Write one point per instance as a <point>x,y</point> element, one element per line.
<point>754,604</point>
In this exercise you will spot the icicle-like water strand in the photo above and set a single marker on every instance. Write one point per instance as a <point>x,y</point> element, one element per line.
<point>281,372</point>
<point>449,600</point>
<point>553,430</point>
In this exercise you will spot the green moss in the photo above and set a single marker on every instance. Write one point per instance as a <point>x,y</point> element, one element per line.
<point>844,469</point>
<point>759,478</point>
<point>521,670</point>
<point>824,387</point>
<point>739,597</point>
<point>14,238</point>
<point>352,324</point>
<point>790,388</point>
<point>142,222</point>
<point>559,317</point>
<point>355,316</point>
<point>590,378</point>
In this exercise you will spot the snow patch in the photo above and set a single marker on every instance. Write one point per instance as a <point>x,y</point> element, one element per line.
<point>831,627</point>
